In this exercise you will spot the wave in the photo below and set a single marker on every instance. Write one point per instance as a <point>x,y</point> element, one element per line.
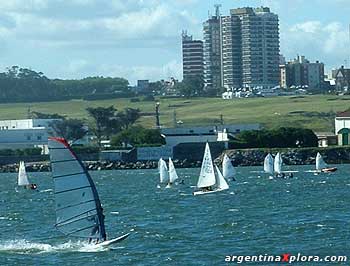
<point>23,246</point>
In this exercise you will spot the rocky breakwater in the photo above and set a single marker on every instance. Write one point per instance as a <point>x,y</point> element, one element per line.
<point>99,165</point>
<point>292,156</point>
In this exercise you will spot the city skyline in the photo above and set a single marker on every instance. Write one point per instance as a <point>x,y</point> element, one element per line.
<point>142,39</point>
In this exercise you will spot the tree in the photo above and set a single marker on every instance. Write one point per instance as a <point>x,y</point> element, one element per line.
<point>193,86</point>
<point>70,129</point>
<point>278,138</point>
<point>105,122</point>
<point>128,117</point>
<point>138,135</point>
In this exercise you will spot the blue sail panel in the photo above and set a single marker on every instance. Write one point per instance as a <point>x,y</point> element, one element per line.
<point>78,208</point>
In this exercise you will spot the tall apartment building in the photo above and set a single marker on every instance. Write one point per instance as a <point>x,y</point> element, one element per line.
<point>212,53</point>
<point>250,48</point>
<point>192,56</point>
<point>301,72</point>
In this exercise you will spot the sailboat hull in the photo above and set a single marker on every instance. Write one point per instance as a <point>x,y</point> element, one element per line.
<point>329,170</point>
<point>201,192</point>
<point>113,241</point>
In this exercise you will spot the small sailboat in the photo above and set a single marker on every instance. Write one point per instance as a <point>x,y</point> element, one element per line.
<point>268,164</point>
<point>172,174</point>
<point>78,208</point>
<point>278,164</point>
<point>163,172</point>
<point>23,177</point>
<point>321,165</point>
<point>227,168</point>
<point>208,181</point>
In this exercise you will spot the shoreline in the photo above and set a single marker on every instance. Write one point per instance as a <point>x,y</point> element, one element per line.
<point>248,157</point>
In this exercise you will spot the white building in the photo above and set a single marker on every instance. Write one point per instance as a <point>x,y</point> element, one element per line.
<point>175,136</point>
<point>342,127</point>
<point>24,133</point>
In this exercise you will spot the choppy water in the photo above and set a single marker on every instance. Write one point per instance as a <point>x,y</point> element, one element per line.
<point>308,214</point>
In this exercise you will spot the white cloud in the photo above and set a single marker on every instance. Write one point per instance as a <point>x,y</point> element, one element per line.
<point>307,27</point>
<point>326,42</point>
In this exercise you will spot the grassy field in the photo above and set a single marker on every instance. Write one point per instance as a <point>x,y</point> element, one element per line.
<point>314,112</point>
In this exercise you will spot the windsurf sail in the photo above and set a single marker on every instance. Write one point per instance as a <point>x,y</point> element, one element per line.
<point>268,164</point>
<point>172,172</point>
<point>320,163</point>
<point>207,175</point>
<point>227,168</point>
<point>22,175</point>
<point>278,163</point>
<point>163,171</point>
<point>78,207</point>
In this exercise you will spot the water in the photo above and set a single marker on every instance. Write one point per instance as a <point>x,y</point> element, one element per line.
<point>308,214</point>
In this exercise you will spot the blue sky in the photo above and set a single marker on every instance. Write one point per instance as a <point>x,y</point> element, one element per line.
<point>140,39</point>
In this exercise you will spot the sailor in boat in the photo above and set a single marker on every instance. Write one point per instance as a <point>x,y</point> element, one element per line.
<point>205,189</point>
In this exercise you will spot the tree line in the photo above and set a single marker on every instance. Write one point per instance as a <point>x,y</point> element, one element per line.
<point>25,85</point>
<point>106,123</point>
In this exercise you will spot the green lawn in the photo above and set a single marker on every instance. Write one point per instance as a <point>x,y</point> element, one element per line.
<point>308,111</point>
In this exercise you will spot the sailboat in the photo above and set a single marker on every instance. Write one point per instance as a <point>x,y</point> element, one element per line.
<point>227,168</point>
<point>278,164</point>
<point>172,174</point>
<point>208,181</point>
<point>321,166</point>
<point>268,164</point>
<point>23,177</point>
<point>163,171</point>
<point>78,208</point>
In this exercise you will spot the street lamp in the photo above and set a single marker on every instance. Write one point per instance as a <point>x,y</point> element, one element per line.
<point>157,115</point>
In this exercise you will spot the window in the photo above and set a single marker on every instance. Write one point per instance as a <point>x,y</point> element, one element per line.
<point>38,137</point>
<point>29,138</point>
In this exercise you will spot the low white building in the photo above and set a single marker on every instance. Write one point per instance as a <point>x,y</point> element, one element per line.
<point>175,136</point>
<point>24,133</point>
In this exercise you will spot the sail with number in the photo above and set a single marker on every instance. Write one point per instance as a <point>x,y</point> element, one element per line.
<point>268,164</point>
<point>78,207</point>
<point>220,180</point>
<point>163,171</point>
<point>207,175</point>
<point>22,175</point>
<point>278,163</point>
<point>227,168</point>
<point>320,163</point>
<point>172,172</point>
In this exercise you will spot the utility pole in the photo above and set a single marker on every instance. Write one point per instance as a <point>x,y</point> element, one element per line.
<point>174,118</point>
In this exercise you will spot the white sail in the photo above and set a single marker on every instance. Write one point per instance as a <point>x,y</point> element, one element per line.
<point>78,208</point>
<point>220,180</point>
<point>22,175</point>
<point>163,171</point>
<point>268,164</point>
<point>278,163</point>
<point>227,168</point>
<point>207,175</point>
<point>172,172</point>
<point>320,163</point>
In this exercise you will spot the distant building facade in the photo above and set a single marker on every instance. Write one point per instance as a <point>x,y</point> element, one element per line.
<point>342,127</point>
<point>301,72</point>
<point>250,48</point>
<point>25,133</point>
<point>212,53</point>
<point>342,79</point>
<point>192,56</point>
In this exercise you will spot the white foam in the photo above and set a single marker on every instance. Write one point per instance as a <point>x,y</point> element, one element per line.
<point>46,190</point>
<point>26,247</point>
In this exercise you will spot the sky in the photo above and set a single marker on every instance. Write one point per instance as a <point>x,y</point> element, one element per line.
<point>141,39</point>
